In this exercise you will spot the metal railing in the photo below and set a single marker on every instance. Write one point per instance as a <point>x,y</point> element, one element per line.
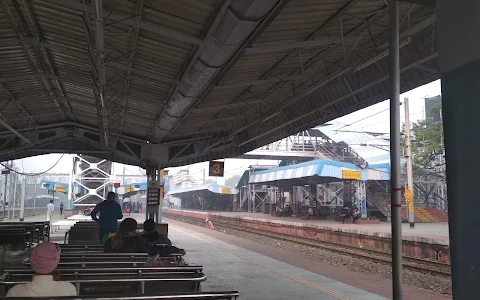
<point>180,279</point>
<point>182,296</point>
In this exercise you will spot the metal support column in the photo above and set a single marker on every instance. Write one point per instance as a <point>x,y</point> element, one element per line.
<point>459,61</point>
<point>394,62</point>
<point>361,197</point>
<point>5,196</point>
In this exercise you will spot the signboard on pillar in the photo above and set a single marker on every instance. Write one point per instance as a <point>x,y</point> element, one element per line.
<point>351,175</point>
<point>153,196</point>
<point>216,168</point>
<point>60,188</point>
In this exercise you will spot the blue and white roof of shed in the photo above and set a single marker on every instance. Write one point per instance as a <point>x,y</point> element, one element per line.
<point>214,188</point>
<point>321,168</point>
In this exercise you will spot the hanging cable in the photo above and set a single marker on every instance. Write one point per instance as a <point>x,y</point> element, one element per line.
<point>32,174</point>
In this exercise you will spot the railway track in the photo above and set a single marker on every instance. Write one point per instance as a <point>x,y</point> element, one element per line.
<point>410,263</point>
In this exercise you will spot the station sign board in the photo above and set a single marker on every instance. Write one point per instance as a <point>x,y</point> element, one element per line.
<point>408,195</point>
<point>153,196</point>
<point>351,175</point>
<point>216,168</point>
<point>60,188</point>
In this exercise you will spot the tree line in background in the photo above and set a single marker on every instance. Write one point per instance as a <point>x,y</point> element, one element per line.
<point>427,139</point>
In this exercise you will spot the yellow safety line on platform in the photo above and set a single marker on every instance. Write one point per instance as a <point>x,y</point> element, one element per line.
<point>299,279</point>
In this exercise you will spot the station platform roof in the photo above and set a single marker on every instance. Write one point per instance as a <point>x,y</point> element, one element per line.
<point>174,82</point>
<point>214,188</point>
<point>319,171</point>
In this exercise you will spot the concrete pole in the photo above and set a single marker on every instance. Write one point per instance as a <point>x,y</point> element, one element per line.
<point>394,62</point>
<point>5,195</point>
<point>22,199</point>
<point>34,193</point>
<point>14,196</point>
<point>408,148</point>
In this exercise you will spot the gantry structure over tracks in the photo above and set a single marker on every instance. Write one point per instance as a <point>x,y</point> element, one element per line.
<point>174,82</point>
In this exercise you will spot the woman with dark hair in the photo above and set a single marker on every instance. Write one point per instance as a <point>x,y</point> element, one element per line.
<point>126,240</point>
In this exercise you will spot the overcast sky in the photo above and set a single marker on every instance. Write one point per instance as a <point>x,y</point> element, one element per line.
<point>374,119</point>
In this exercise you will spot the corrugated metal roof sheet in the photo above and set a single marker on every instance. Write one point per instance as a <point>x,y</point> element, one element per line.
<point>169,52</point>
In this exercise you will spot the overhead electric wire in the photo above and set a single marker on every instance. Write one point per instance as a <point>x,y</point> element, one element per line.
<point>363,118</point>
<point>359,128</point>
<point>32,174</point>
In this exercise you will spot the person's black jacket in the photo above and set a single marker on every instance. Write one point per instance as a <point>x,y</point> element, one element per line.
<point>129,244</point>
<point>159,239</point>
<point>156,238</point>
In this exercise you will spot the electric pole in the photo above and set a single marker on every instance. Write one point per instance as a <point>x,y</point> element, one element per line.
<point>34,193</point>
<point>408,154</point>
<point>22,198</point>
<point>5,195</point>
<point>14,200</point>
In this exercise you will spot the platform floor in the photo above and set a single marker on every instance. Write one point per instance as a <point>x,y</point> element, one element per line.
<point>256,276</point>
<point>436,231</point>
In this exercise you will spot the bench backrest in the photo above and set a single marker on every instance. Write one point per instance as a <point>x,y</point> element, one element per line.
<point>121,281</point>
<point>108,261</point>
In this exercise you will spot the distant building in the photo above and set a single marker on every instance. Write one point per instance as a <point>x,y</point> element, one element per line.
<point>435,116</point>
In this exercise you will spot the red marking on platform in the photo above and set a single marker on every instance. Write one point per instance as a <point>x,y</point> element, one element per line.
<point>396,189</point>
<point>396,205</point>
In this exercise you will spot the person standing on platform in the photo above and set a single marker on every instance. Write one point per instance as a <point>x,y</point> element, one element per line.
<point>50,210</point>
<point>110,211</point>
<point>61,208</point>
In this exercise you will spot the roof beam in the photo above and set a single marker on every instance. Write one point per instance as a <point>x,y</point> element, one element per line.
<point>133,50</point>
<point>31,57</point>
<point>12,96</point>
<point>348,95</point>
<point>264,23</point>
<point>100,64</point>
<point>228,106</point>
<point>431,3</point>
<point>370,20</point>
<point>10,128</point>
<point>85,56</point>
<point>327,24</point>
<point>148,26</point>
<point>213,26</point>
<point>268,81</point>
<point>282,46</point>
<point>96,50</point>
<point>143,73</point>
<point>48,57</point>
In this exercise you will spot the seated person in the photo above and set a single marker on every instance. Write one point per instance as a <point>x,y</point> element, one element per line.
<point>356,214</point>
<point>152,236</point>
<point>46,281</point>
<point>346,214</point>
<point>126,240</point>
